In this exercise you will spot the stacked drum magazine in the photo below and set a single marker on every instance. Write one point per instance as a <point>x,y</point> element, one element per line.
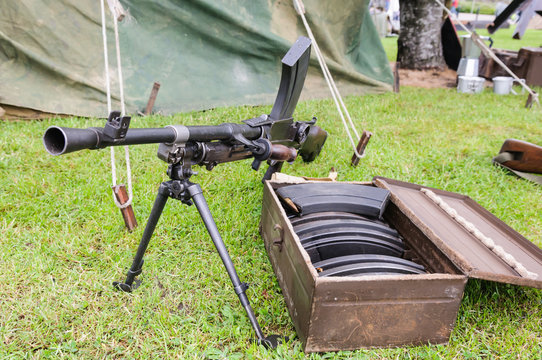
<point>341,228</point>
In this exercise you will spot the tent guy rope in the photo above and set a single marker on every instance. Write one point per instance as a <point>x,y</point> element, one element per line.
<point>341,107</point>
<point>117,13</point>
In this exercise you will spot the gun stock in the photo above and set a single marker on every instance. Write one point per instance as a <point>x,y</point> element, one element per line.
<point>525,156</point>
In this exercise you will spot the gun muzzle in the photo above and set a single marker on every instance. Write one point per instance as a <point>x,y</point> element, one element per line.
<point>58,140</point>
<point>61,140</point>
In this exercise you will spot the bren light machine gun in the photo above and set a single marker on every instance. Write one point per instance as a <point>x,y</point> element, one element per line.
<point>274,137</point>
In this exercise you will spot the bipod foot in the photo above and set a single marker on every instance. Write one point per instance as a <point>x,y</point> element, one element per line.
<point>272,341</point>
<point>131,283</point>
<point>126,287</point>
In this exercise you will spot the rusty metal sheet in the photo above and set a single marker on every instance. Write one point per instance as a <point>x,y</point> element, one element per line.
<point>420,249</point>
<point>384,311</point>
<point>290,262</point>
<point>459,245</point>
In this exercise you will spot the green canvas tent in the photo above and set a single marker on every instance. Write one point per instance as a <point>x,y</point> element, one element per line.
<point>205,53</point>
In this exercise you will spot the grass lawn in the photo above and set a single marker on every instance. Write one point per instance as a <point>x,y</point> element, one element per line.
<point>62,240</point>
<point>484,7</point>
<point>502,39</point>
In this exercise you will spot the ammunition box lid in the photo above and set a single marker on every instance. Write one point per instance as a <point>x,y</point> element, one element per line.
<point>476,241</point>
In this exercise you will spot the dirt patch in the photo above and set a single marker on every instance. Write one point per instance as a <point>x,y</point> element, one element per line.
<point>427,78</point>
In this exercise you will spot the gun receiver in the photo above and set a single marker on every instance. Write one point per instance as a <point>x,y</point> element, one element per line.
<point>274,137</point>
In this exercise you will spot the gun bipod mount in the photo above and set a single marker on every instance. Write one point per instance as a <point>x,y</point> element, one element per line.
<point>180,188</point>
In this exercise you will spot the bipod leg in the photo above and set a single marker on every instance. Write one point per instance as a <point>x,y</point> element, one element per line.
<point>137,265</point>
<point>240,288</point>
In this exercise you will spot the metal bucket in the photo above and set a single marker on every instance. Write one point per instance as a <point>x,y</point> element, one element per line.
<point>470,84</point>
<point>502,85</point>
<point>468,67</point>
<point>469,49</point>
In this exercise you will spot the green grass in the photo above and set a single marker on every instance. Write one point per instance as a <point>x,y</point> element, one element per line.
<point>62,240</point>
<point>487,8</point>
<point>502,39</point>
<point>390,47</point>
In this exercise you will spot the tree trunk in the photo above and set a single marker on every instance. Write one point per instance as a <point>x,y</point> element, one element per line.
<point>419,45</point>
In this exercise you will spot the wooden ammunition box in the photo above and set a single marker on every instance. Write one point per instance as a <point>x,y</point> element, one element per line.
<point>347,313</point>
<point>525,63</point>
<point>528,65</point>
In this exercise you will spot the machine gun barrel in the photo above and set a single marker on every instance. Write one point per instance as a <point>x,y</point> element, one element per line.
<point>61,140</point>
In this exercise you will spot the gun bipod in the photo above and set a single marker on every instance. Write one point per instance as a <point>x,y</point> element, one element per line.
<point>188,192</point>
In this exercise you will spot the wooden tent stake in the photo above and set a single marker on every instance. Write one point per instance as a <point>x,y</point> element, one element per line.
<point>152,98</point>
<point>529,103</point>
<point>396,85</point>
<point>362,144</point>
<point>127,212</point>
